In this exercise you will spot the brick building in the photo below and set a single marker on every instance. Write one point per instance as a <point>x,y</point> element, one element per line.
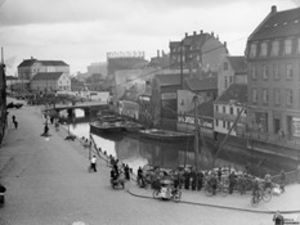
<point>273,55</point>
<point>199,50</point>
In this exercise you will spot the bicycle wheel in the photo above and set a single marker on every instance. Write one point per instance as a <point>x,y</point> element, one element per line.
<point>177,196</point>
<point>267,195</point>
<point>155,194</point>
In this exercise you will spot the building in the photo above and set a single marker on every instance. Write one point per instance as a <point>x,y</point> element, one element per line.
<point>227,108</point>
<point>2,100</point>
<point>51,82</point>
<point>206,92</point>
<point>30,67</point>
<point>233,70</point>
<point>273,55</point>
<point>164,100</point>
<point>199,50</point>
<point>160,61</point>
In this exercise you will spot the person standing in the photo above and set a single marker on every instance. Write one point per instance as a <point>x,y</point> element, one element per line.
<point>278,219</point>
<point>15,122</point>
<point>232,181</point>
<point>282,180</point>
<point>127,172</point>
<point>93,163</point>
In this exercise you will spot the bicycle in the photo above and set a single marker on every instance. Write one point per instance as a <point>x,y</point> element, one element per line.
<point>261,195</point>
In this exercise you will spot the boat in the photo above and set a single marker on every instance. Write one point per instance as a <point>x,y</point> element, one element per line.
<point>132,127</point>
<point>165,135</point>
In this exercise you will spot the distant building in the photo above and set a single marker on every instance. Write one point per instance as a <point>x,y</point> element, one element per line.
<point>160,61</point>
<point>12,83</point>
<point>164,100</point>
<point>227,108</point>
<point>197,51</point>
<point>51,82</point>
<point>233,70</point>
<point>30,67</point>
<point>97,68</point>
<point>273,55</point>
<point>125,61</point>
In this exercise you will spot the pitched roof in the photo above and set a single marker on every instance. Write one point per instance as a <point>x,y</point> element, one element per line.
<point>30,62</point>
<point>195,84</point>
<point>278,24</point>
<point>47,76</point>
<point>238,64</point>
<point>168,79</point>
<point>236,92</point>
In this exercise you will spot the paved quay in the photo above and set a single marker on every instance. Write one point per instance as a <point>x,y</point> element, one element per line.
<point>48,183</point>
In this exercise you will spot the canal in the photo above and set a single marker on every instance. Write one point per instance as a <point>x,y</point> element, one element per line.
<point>136,151</point>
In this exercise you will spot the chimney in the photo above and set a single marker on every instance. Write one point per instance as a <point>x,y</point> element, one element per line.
<point>201,31</point>
<point>273,9</point>
<point>157,53</point>
<point>186,34</point>
<point>2,56</point>
<point>194,33</point>
<point>225,44</point>
<point>217,37</point>
<point>162,52</point>
<point>212,34</point>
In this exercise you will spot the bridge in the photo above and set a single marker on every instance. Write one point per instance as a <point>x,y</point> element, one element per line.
<point>89,108</point>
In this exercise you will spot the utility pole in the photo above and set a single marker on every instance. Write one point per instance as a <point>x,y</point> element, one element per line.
<point>196,139</point>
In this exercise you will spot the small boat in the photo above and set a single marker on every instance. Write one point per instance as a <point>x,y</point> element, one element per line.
<point>133,127</point>
<point>165,135</point>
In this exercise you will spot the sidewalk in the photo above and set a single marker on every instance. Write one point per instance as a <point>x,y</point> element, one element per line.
<point>286,202</point>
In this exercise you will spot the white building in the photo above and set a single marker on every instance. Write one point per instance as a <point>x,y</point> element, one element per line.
<point>56,81</point>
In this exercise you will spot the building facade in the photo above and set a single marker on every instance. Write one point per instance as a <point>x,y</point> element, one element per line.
<point>232,70</point>
<point>273,55</point>
<point>227,108</point>
<point>51,82</point>
<point>197,51</point>
<point>30,67</point>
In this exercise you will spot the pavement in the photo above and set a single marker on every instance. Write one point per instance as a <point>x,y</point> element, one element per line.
<point>47,183</point>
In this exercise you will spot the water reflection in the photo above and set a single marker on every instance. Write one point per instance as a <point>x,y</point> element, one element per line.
<point>138,152</point>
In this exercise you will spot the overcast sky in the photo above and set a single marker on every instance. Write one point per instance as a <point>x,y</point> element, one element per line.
<point>82,31</point>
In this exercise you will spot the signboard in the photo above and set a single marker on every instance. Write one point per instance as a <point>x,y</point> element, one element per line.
<point>190,120</point>
<point>296,126</point>
<point>168,96</point>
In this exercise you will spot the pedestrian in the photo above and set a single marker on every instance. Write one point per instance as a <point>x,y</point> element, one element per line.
<point>186,179</point>
<point>2,191</point>
<point>15,122</point>
<point>200,176</point>
<point>282,181</point>
<point>193,179</point>
<point>93,163</point>
<point>46,130</point>
<point>232,181</point>
<point>127,172</point>
<point>219,174</point>
<point>278,219</point>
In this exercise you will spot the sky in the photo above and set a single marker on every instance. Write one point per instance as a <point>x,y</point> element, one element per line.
<point>80,32</point>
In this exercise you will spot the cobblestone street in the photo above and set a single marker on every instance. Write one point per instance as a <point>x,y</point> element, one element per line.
<point>47,183</point>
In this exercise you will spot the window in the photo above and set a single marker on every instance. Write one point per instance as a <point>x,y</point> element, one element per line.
<point>265,72</point>
<point>226,83</point>
<point>224,109</point>
<point>264,49</point>
<point>254,95</point>
<point>224,124</point>
<point>230,79</point>
<point>217,108</point>
<point>225,66</point>
<point>275,69</point>
<point>277,96</point>
<point>289,97</point>
<point>265,96</point>
<point>289,71</point>
<point>253,73</point>
<point>228,125</point>
<point>252,50</point>
<point>217,123</point>
<point>231,110</point>
<point>288,47</point>
<point>275,48</point>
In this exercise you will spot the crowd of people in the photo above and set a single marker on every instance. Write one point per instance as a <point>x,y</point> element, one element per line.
<point>221,179</point>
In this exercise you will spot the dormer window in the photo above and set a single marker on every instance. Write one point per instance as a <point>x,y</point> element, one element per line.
<point>264,49</point>
<point>288,47</point>
<point>275,48</point>
<point>253,48</point>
